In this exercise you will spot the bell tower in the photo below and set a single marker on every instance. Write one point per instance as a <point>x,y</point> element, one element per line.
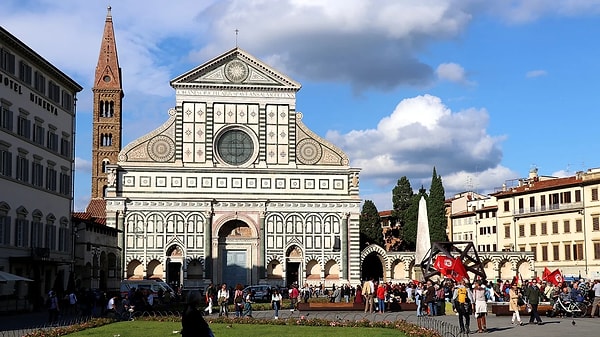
<point>107,120</point>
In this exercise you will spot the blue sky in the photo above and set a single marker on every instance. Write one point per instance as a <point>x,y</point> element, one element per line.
<point>482,90</point>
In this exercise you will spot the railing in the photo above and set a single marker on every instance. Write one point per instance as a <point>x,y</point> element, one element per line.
<point>549,208</point>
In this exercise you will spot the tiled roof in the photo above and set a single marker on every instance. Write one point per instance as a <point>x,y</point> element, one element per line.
<point>385,213</point>
<point>97,208</point>
<point>540,185</point>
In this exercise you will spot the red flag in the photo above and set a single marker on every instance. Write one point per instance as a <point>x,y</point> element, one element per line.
<point>546,274</point>
<point>555,277</point>
<point>458,272</point>
<point>443,264</point>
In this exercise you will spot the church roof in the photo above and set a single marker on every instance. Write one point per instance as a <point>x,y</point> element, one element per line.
<point>96,208</point>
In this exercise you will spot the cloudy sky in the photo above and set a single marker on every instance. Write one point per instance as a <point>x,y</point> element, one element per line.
<point>482,90</point>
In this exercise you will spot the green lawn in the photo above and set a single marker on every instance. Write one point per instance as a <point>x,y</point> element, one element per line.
<point>171,329</point>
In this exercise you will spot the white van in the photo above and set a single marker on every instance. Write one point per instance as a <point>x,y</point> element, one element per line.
<point>151,285</point>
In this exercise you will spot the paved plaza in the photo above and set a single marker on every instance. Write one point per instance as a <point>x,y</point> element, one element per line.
<point>497,325</point>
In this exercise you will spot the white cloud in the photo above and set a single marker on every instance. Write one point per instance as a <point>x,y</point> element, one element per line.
<point>536,73</point>
<point>452,72</point>
<point>422,133</point>
<point>83,165</point>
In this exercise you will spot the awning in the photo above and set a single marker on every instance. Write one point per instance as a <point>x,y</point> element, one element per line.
<point>5,277</point>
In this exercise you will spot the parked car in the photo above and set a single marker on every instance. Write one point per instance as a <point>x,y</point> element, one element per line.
<point>262,292</point>
<point>152,285</point>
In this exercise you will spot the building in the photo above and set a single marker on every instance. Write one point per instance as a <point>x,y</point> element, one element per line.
<point>233,187</point>
<point>37,120</point>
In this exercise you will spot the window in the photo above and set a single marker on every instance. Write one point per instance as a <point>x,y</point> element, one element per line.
<point>21,232</point>
<point>555,252</point>
<point>7,61</point>
<point>51,178</point>
<point>567,252</point>
<point>5,162</point>
<point>37,234</point>
<point>596,223</point>
<point>596,250</point>
<point>507,231</point>
<point>22,168</point>
<point>544,253</point>
<point>50,237</point>
<point>543,202</point>
<point>567,225</point>
<point>554,227</point>
<point>544,228</point>
<point>578,251</point>
<point>6,118</point>
<point>4,229</point>
<point>39,83</point>
<point>578,226</point>
<point>532,204</point>
<point>566,197</point>
<point>25,72</point>
<point>39,134</point>
<point>577,196</point>
<point>67,101</point>
<point>65,147</point>
<point>37,174</point>
<point>107,109</point>
<point>52,141</point>
<point>65,184</point>
<point>106,139</point>
<point>24,127</point>
<point>521,230</point>
<point>521,210</point>
<point>62,239</point>
<point>506,206</point>
<point>54,92</point>
<point>594,194</point>
<point>534,251</point>
<point>532,228</point>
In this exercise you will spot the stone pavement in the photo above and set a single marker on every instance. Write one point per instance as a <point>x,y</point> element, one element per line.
<point>498,326</point>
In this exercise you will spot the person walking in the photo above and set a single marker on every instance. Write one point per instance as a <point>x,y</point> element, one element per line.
<point>192,322</point>
<point>53,307</point>
<point>211,293</point>
<point>223,296</point>
<point>276,302</point>
<point>533,295</point>
<point>367,291</point>
<point>596,302</point>
<point>479,294</point>
<point>513,303</point>
<point>462,301</point>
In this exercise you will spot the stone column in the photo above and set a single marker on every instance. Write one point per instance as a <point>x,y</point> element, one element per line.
<point>344,246</point>
<point>262,270</point>
<point>208,265</point>
<point>121,239</point>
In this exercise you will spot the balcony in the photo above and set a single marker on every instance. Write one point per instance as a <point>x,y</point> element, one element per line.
<point>549,209</point>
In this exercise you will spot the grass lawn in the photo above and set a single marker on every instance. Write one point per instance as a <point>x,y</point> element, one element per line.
<point>167,329</point>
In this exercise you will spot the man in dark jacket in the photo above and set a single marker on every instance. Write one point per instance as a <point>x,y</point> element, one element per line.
<point>533,295</point>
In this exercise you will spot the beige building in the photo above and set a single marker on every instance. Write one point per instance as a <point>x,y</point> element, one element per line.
<point>37,119</point>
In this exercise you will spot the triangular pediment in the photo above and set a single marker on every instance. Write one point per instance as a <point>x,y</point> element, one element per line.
<point>235,69</point>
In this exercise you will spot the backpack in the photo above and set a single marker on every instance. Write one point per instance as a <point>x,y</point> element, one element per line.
<point>461,295</point>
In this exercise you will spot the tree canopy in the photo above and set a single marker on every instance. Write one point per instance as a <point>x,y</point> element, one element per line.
<point>370,225</point>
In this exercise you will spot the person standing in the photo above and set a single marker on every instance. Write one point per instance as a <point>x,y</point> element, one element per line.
<point>192,322</point>
<point>53,308</point>
<point>479,294</point>
<point>533,295</point>
<point>513,303</point>
<point>419,299</point>
<point>596,302</point>
<point>238,300</point>
<point>211,293</point>
<point>430,299</point>
<point>294,294</point>
<point>223,296</point>
<point>381,298</point>
<point>276,302</point>
<point>462,300</point>
<point>367,291</point>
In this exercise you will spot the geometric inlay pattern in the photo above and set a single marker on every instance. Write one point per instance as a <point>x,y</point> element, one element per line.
<point>161,148</point>
<point>309,151</point>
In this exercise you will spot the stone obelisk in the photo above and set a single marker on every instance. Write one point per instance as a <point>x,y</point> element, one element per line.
<point>423,244</point>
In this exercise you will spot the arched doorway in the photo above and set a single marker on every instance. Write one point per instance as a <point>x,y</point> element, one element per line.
<point>235,252</point>
<point>293,259</point>
<point>372,267</point>
<point>174,265</point>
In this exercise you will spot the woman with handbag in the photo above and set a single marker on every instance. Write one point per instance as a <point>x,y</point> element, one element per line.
<point>223,297</point>
<point>513,303</point>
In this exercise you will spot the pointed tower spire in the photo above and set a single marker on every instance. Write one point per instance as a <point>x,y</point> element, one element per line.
<point>107,122</point>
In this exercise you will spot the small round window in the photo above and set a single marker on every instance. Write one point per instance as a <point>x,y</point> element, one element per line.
<point>235,147</point>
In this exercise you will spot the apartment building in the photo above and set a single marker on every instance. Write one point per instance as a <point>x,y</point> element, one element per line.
<point>37,119</point>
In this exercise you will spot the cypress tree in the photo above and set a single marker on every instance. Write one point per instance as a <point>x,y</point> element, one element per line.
<point>436,209</point>
<point>370,225</point>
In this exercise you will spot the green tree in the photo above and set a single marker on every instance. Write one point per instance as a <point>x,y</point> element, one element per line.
<point>370,225</point>
<point>401,199</point>
<point>436,209</point>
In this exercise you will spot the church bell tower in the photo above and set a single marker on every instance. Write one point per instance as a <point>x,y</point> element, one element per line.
<point>107,120</point>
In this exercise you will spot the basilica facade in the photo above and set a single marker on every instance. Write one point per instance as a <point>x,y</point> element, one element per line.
<point>234,187</point>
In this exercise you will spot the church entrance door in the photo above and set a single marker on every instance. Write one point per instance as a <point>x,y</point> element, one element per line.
<point>235,269</point>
